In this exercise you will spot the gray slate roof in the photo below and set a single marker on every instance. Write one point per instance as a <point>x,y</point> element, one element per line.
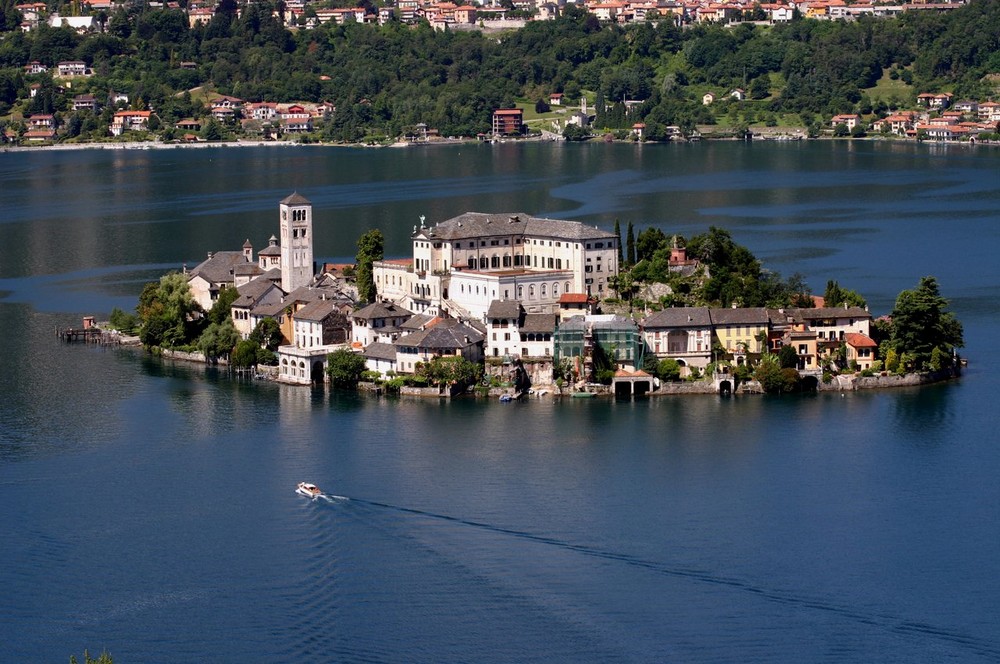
<point>381,310</point>
<point>380,351</point>
<point>317,311</point>
<point>252,291</point>
<point>447,335</point>
<point>740,316</point>
<point>296,199</point>
<point>416,321</point>
<point>509,309</point>
<point>679,317</point>
<point>832,312</point>
<point>539,323</point>
<point>219,268</point>
<point>478,224</point>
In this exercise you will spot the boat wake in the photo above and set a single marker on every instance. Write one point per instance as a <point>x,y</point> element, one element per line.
<point>885,621</point>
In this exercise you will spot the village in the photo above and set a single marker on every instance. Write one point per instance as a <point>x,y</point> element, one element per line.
<point>516,294</point>
<point>72,110</point>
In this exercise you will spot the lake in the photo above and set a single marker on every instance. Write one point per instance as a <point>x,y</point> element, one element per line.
<point>149,506</point>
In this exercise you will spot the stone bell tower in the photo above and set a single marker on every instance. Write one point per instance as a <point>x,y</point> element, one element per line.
<point>296,242</point>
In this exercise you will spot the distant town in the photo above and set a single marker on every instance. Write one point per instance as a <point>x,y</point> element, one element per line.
<point>518,301</point>
<point>106,73</point>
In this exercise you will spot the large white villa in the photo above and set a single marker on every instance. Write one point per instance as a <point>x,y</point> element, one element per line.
<point>461,265</point>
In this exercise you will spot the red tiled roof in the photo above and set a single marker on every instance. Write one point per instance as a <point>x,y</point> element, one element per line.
<point>858,340</point>
<point>573,298</point>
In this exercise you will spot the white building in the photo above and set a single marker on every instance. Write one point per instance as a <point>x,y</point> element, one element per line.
<point>461,265</point>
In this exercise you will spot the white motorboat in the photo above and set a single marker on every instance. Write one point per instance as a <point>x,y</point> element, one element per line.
<point>308,490</point>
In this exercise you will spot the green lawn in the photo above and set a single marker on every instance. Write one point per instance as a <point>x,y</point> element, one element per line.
<point>887,88</point>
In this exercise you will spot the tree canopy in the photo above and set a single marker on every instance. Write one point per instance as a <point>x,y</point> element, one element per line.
<point>920,325</point>
<point>383,79</point>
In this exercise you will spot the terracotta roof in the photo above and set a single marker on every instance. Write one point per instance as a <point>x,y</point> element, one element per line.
<point>574,298</point>
<point>859,340</point>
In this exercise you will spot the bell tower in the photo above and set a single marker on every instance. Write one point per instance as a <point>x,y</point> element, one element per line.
<point>296,242</point>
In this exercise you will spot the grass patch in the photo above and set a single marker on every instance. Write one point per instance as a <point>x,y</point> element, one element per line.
<point>887,89</point>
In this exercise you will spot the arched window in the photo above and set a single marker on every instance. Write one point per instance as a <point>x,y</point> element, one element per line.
<point>555,290</point>
<point>531,292</point>
<point>483,263</point>
<point>506,260</point>
<point>544,290</point>
<point>520,292</point>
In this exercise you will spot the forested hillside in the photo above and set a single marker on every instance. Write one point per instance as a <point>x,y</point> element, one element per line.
<point>384,79</point>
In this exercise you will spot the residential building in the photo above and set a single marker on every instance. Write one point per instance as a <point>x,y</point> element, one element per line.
<point>740,333</point>
<point>683,334</point>
<point>378,322</point>
<point>508,122</point>
<point>123,121</point>
<point>441,338</point>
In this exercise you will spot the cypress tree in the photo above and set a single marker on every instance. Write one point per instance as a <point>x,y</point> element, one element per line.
<point>618,236</point>
<point>630,240</point>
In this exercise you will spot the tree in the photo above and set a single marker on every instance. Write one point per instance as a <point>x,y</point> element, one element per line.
<point>168,312</point>
<point>245,354</point>
<point>218,340</point>
<point>787,358</point>
<point>371,247</point>
<point>920,324</point>
<point>222,308</point>
<point>841,130</point>
<point>451,370</point>
<point>648,242</point>
<point>775,380</point>
<point>618,237</point>
<point>267,334</point>
<point>668,369</point>
<point>630,244</point>
<point>835,296</point>
<point>345,368</point>
<point>123,322</point>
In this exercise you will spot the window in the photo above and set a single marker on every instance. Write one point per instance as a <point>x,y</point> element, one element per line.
<point>544,290</point>
<point>558,263</point>
<point>531,292</point>
<point>495,261</point>
<point>520,292</point>
<point>555,290</point>
<point>506,336</point>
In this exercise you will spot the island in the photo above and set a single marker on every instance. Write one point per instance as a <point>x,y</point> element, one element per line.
<point>509,304</point>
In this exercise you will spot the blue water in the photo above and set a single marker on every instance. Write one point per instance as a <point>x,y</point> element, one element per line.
<point>149,507</point>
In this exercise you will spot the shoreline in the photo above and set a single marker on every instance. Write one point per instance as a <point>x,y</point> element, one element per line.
<point>159,145</point>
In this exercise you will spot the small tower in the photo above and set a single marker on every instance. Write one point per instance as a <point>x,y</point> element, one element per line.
<point>248,251</point>
<point>296,242</point>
